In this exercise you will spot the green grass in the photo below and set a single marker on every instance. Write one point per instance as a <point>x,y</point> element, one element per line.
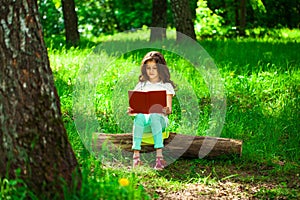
<point>262,97</point>
<point>262,90</point>
<point>262,87</point>
<point>261,79</point>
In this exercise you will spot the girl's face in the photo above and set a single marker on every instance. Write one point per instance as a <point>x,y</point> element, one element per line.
<point>152,72</point>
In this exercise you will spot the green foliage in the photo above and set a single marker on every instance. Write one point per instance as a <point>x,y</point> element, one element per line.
<point>267,13</point>
<point>96,17</point>
<point>281,13</point>
<point>11,189</point>
<point>110,16</point>
<point>208,23</point>
<point>212,18</point>
<point>51,18</point>
<point>133,14</point>
<point>220,20</point>
<point>258,6</point>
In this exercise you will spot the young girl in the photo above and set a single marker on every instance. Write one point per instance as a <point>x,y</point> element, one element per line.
<point>155,75</point>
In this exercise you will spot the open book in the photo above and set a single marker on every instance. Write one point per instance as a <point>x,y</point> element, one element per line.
<point>147,102</point>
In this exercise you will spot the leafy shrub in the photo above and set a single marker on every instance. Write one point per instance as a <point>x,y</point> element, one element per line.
<point>208,23</point>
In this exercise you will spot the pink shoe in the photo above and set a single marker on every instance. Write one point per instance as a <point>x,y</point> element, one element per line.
<point>136,162</point>
<point>160,163</point>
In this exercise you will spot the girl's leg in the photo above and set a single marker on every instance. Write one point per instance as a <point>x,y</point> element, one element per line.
<point>136,158</point>
<point>138,130</point>
<point>157,125</point>
<point>136,154</point>
<point>159,153</point>
<point>160,163</point>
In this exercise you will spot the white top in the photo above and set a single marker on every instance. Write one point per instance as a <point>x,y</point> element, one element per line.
<point>148,86</point>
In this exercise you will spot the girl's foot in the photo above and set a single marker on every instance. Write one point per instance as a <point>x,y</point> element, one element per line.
<point>160,163</point>
<point>136,161</point>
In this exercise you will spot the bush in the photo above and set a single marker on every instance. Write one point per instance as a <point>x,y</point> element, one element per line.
<point>207,22</point>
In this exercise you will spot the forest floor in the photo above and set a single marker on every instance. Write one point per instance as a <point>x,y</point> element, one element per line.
<point>223,180</point>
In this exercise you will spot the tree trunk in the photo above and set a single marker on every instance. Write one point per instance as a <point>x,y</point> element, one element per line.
<point>32,135</point>
<point>183,19</point>
<point>71,23</point>
<point>243,13</point>
<point>237,13</point>
<point>159,19</point>
<point>210,146</point>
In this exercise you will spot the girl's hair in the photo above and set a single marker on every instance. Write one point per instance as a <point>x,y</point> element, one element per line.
<point>162,68</point>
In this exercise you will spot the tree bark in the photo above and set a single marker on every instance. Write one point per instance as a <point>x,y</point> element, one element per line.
<point>243,13</point>
<point>159,19</point>
<point>32,135</point>
<point>210,146</point>
<point>183,19</point>
<point>237,13</point>
<point>71,23</point>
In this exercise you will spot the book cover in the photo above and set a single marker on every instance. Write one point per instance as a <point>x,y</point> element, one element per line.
<point>147,101</point>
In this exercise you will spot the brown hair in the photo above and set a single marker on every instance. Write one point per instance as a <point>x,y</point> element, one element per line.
<point>162,68</point>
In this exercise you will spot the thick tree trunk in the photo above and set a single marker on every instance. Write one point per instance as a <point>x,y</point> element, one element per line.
<point>32,135</point>
<point>198,146</point>
<point>183,19</point>
<point>159,19</point>
<point>71,23</point>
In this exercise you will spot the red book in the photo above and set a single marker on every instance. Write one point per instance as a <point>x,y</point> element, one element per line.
<point>147,102</point>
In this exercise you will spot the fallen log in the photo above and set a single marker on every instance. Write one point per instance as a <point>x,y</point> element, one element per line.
<point>177,145</point>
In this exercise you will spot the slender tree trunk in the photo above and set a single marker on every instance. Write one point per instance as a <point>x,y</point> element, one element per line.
<point>237,13</point>
<point>159,19</point>
<point>243,14</point>
<point>32,135</point>
<point>71,23</point>
<point>183,19</point>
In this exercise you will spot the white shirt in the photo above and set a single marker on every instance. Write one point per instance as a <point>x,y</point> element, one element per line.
<point>148,86</point>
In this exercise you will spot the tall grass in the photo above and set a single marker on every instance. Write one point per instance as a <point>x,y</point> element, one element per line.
<point>262,82</point>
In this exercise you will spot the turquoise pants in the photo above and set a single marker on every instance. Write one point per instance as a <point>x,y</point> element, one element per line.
<point>142,124</point>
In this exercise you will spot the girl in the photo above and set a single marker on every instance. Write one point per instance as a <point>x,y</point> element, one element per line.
<point>155,75</point>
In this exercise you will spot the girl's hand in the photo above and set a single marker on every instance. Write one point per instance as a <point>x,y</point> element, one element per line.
<point>129,111</point>
<point>166,110</point>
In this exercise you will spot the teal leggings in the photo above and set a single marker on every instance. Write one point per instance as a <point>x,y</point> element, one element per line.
<point>155,124</point>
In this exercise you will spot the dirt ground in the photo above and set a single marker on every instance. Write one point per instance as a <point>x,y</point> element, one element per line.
<point>230,181</point>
